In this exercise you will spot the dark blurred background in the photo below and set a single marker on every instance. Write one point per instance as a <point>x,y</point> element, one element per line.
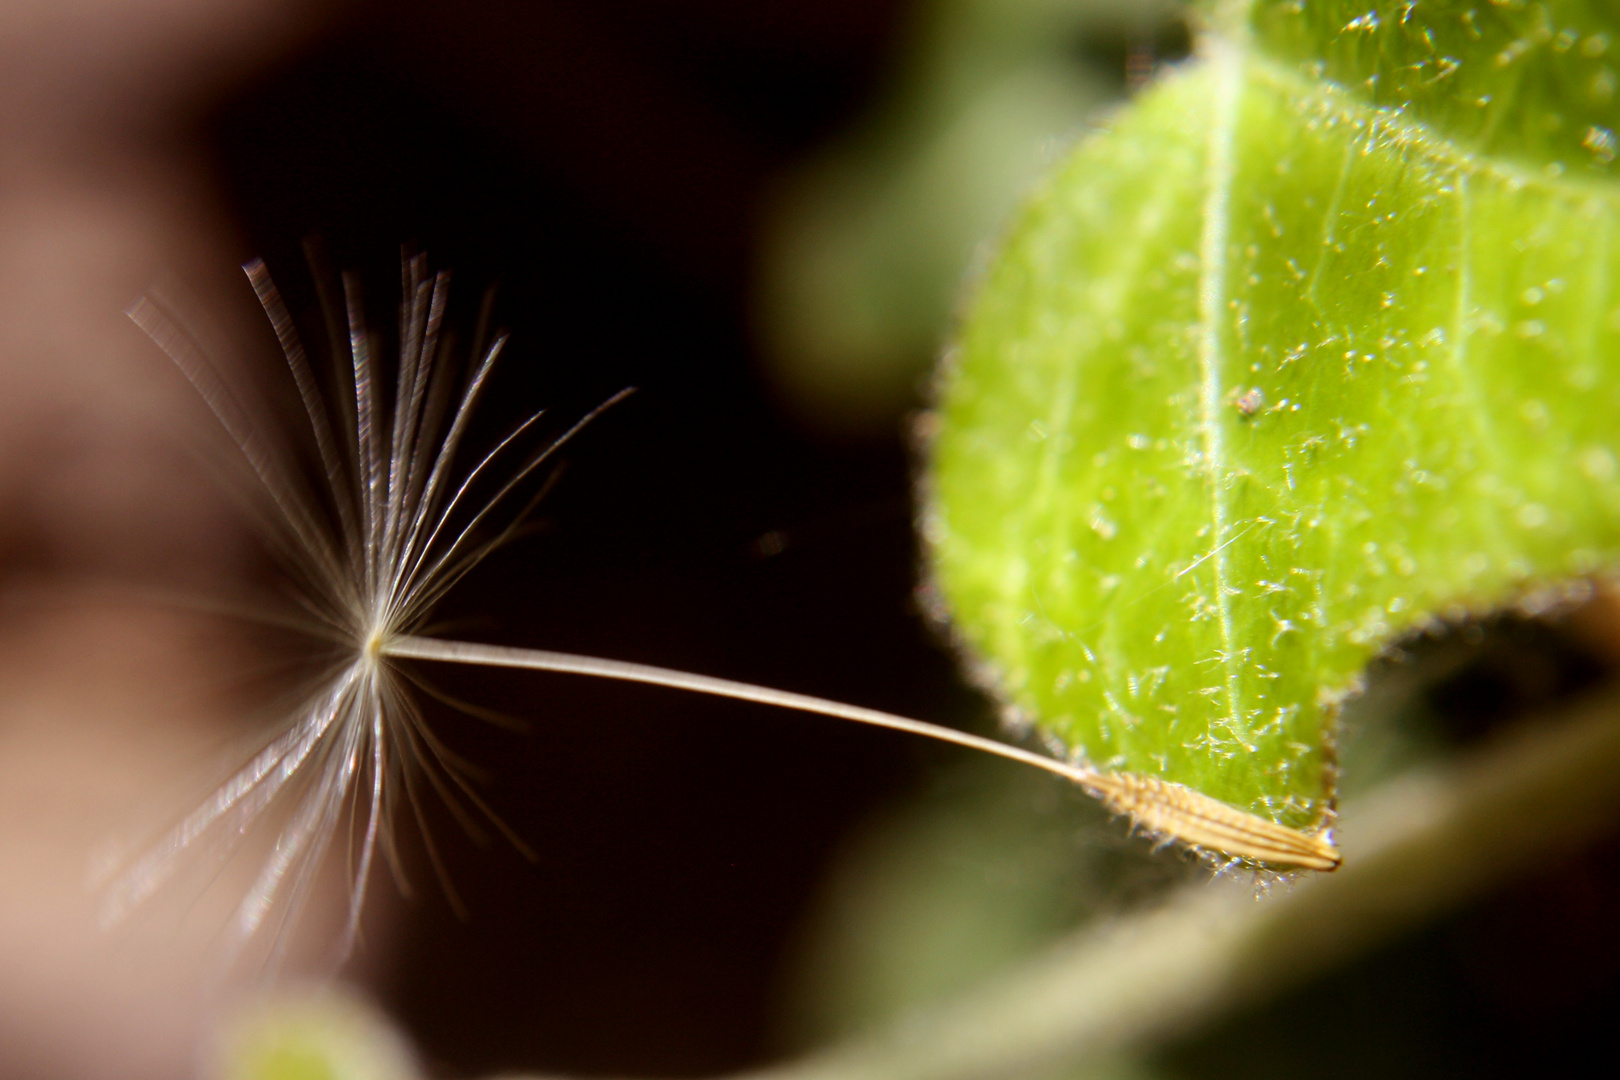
<point>606,166</point>
<point>611,169</point>
<point>602,166</point>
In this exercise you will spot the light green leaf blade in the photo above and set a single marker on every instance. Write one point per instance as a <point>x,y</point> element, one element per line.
<point>1268,376</point>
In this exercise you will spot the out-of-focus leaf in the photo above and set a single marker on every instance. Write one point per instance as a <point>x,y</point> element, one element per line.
<point>322,1034</point>
<point>953,889</point>
<point>1316,347</point>
<point>864,247</point>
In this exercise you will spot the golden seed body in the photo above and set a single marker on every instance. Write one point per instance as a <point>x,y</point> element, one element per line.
<point>1177,811</point>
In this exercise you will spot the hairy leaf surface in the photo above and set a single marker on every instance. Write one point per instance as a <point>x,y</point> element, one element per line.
<point>1318,344</point>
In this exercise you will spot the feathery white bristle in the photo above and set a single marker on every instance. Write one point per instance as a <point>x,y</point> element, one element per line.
<point>370,557</point>
<point>392,534</point>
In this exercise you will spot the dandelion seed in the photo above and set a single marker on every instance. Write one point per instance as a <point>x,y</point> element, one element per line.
<point>395,529</point>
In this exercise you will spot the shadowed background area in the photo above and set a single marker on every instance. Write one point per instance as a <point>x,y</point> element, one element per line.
<point>603,166</point>
<point>611,169</point>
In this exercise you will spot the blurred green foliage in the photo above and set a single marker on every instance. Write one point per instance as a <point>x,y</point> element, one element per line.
<point>312,1034</point>
<point>866,246</point>
<point>987,866</point>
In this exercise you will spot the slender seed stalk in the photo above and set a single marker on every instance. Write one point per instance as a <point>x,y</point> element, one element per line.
<point>464,652</point>
<point>1162,807</point>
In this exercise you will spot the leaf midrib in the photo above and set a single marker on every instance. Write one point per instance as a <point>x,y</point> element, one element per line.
<point>1212,292</point>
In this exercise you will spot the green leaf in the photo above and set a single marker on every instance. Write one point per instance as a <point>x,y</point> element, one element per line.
<point>1315,348</point>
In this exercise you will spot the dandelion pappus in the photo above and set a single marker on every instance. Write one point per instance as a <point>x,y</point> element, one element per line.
<point>400,524</point>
